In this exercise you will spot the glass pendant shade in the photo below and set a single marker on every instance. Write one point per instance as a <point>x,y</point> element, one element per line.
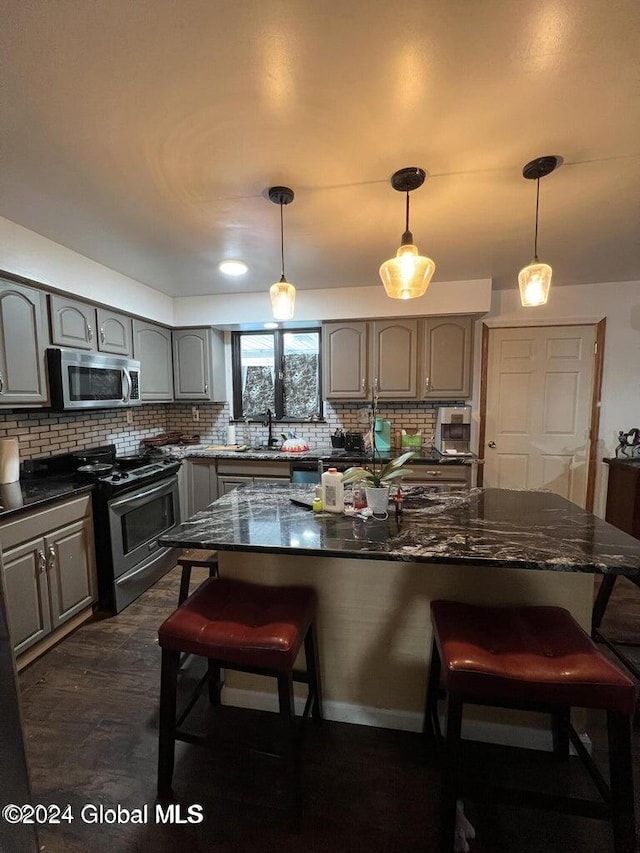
<point>408,274</point>
<point>283,299</point>
<point>534,282</point>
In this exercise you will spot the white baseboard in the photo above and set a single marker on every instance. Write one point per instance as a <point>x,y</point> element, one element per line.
<point>342,712</point>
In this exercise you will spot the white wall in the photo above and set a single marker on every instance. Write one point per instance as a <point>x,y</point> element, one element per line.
<point>339,303</point>
<point>28,254</point>
<point>619,303</point>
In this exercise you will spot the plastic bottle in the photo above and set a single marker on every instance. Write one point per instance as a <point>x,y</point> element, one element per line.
<point>231,432</point>
<point>332,491</point>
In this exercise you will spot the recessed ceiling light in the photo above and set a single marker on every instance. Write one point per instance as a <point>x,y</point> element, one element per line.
<point>270,325</point>
<point>233,267</point>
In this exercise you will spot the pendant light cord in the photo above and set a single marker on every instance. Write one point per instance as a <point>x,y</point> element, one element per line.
<point>282,241</point>
<point>407,213</point>
<point>535,242</point>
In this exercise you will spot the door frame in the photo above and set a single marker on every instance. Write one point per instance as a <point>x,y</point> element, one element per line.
<point>594,425</point>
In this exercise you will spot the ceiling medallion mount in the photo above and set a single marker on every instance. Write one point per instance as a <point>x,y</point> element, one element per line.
<point>540,167</point>
<point>408,179</point>
<point>280,195</point>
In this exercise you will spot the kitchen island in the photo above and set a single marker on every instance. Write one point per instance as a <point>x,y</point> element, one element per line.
<point>376,577</point>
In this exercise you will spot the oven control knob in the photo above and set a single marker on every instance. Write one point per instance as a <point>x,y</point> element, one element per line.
<point>116,477</point>
<point>123,476</point>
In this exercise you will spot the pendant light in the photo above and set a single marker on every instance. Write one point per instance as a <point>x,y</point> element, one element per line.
<point>283,294</point>
<point>408,274</point>
<point>534,280</point>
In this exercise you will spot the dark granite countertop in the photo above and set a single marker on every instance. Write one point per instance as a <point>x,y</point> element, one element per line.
<point>28,494</point>
<point>313,455</point>
<point>484,527</point>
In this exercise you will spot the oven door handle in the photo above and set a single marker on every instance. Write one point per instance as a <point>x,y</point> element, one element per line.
<point>141,497</point>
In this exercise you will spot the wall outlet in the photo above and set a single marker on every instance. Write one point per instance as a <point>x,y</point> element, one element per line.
<point>195,411</point>
<point>129,416</point>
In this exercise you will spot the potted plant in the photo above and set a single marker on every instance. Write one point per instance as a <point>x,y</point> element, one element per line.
<point>377,480</point>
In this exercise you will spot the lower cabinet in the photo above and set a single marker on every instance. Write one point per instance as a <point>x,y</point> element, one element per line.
<point>49,570</point>
<point>201,487</point>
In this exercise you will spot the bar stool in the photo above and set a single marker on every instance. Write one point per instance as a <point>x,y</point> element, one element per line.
<point>249,627</point>
<point>199,558</point>
<point>537,659</point>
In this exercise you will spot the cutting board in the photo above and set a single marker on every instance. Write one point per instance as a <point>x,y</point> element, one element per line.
<point>228,447</point>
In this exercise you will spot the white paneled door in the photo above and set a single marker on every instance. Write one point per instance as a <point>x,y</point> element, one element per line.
<point>538,409</point>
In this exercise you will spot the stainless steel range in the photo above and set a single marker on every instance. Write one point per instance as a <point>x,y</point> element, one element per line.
<point>135,500</point>
<point>132,506</point>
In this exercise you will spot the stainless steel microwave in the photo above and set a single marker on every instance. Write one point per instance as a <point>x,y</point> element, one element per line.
<point>91,380</point>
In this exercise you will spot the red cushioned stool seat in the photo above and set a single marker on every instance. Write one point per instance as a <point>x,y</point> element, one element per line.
<point>248,627</point>
<point>531,658</point>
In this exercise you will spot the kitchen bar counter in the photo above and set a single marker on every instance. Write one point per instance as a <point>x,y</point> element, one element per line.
<point>375,579</point>
<point>482,527</point>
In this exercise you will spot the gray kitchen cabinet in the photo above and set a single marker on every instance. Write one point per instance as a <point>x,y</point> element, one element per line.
<point>152,348</point>
<point>393,362</point>
<point>198,365</point>
<point>201,485</point>
<point>446,358</point>
<point>23,341</point>
<point>443,477</point>
<point>345,361</point>
<point>78,325</point>
<point>49,571</point>
<point>361,357</point>
<point>233,473</point>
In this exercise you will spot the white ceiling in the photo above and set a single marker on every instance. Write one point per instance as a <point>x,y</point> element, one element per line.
<point>145,135</point>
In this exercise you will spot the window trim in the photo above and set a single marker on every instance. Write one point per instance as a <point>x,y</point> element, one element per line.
<point>278,355</point>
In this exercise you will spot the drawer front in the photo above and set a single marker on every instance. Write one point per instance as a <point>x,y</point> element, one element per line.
<point>437,473</point>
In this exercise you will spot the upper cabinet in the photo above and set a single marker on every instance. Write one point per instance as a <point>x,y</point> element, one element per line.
<point>399,359</point>
<point>152,348</point>
<point>446,358</point>
<point>23,341</point>
<point>81,326</point>
<point>394,359</point>
<point>198,365</point>
<point>345,361</point>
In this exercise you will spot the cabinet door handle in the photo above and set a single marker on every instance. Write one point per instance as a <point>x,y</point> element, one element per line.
<point>102,336</point>
<point>364,384</point>
<point>89,332</point>
<point>1,384</point>
<point>52,557</point>
<point>427,385</point>
<point>42,562</point>
<point>206,387</point>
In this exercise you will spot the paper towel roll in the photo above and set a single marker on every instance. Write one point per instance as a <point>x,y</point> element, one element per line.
<point>9,460</point>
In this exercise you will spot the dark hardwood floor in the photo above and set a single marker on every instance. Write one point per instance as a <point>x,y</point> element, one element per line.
<point>90,720</point>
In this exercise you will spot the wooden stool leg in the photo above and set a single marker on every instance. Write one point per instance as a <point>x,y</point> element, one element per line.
<point>450,775</point>
<point>621,775</point>
<point>167,722</point>
<point>290,746</point>
<point>560,730</point>
<point>215,682</point>
<point>430,725</point>
<point>313,671</point>
<point>185,580</point>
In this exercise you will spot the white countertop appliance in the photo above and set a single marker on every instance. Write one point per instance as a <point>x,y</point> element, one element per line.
<point>453,431</point>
